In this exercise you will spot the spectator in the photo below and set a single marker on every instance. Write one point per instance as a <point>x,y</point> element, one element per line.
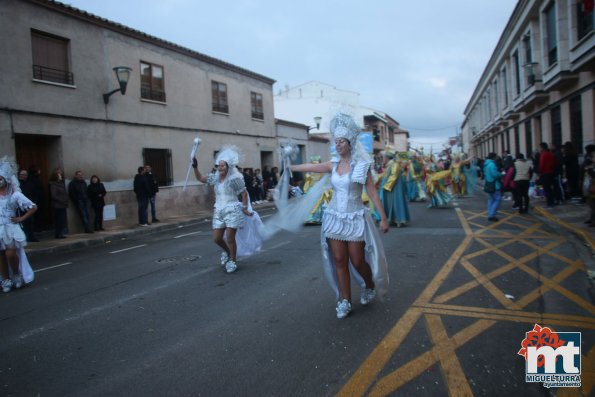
<point>493,175</point>
<point>153,190</point>
<point>547,169</point>
<point>523,174</point>
<point>29,190</point>
<point>143,192</point>
<point>96,192</point>
<point>77,190</point>
<point>38,196</point>
<point>571,169</point>
<point>559,196</point>
<point>258,186</point>
<point>58,202</point>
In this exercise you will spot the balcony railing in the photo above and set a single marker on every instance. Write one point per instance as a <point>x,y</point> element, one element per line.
<point>152,94</point>
<point>53,75</point>
<point>220,108</point>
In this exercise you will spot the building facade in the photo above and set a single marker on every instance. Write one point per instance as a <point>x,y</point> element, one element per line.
<point>538,85</point>
<point>53,113</point>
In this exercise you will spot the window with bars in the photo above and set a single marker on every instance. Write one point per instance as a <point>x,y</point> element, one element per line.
<point>51,58</point>
<point>152,85</point>
<point>219,94</point>
<point>256,105</point>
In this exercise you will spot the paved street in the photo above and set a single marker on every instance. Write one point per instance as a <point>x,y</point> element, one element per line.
<point>154,314</point>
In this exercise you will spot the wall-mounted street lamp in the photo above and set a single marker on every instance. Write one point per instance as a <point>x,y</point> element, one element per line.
<point>122,74</point>
<point>317,121</point>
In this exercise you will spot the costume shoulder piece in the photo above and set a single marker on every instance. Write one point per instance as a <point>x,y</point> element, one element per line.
<point>236,183</point>
<point>360,171</point>
<point>212,179</point>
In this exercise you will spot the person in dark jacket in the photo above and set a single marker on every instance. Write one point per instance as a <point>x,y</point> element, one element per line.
<point>547,170</point>
<point>571,169</point>
<point>29,190</point>
<point>143,192</point>
<point>58,202</point>
<point>96,192</point>
<point>77,190</point>
<point>154,189</point>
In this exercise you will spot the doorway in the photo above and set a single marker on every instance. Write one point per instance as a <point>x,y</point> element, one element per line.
<point>35,152</point>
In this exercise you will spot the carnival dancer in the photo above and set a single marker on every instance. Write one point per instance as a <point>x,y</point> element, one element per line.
<point>471,170</point>
<point>350,242</point>
<point>458,177</point>
<point>392,191</point>
<point>227,215</point>
<point>436,185</point>
<point>416,190</point>
<point>14,266</point>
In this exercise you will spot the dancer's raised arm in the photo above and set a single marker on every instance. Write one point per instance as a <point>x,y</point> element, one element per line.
<point>313,167</point>
<point>197,174</point>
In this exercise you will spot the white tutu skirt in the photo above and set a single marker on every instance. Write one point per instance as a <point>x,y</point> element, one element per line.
<point>11,235</point>
<point>375,257</point>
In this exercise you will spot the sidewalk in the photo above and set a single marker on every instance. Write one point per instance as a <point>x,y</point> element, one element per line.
<point>570,216</point>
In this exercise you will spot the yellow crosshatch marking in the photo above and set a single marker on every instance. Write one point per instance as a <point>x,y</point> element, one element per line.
<point>432,308</point>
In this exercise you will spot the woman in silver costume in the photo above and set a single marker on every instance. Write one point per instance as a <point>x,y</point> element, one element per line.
<point>228,214</point>
<point>15,270</point>
<point>350,241</point>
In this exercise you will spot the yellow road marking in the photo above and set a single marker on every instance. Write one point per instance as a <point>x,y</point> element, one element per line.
<point>433,308</point>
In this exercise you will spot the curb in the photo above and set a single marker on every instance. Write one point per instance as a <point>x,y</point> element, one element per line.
<point>106,239</point>
<point>589,241</point>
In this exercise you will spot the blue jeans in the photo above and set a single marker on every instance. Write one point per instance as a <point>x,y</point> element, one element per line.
<point>152,202</point>
<point>143,204</point>
<point>494,203</point>
<point>83,209</point>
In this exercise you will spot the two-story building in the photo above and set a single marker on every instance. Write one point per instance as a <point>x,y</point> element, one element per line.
<point>56,70</point>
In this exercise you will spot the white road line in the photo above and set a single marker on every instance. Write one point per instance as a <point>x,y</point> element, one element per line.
<point>128,249</point>
<point>53,267</point>
<point>187,234</point>
<point>109,305</point>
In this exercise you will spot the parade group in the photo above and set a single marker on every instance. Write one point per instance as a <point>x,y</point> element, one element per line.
<point>354,196</point>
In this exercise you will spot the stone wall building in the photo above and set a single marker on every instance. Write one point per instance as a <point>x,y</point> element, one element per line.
<point>58,63</point>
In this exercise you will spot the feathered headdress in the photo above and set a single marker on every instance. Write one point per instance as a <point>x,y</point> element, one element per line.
<point>8,170</point>
<point>343,126</point>
<point>230,154</point>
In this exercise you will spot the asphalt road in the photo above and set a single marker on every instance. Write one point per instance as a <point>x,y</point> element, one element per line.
<point>155,315</point>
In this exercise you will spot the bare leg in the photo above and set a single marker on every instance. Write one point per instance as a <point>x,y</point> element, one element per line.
<point>231,243</point>
<point>341,257</point>
<point>13,260</point>
<point>218,239</point>
<point>358,259</point>
<point>3,265</point>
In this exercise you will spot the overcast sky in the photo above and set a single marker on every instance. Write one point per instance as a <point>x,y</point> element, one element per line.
<point>418,61</point>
